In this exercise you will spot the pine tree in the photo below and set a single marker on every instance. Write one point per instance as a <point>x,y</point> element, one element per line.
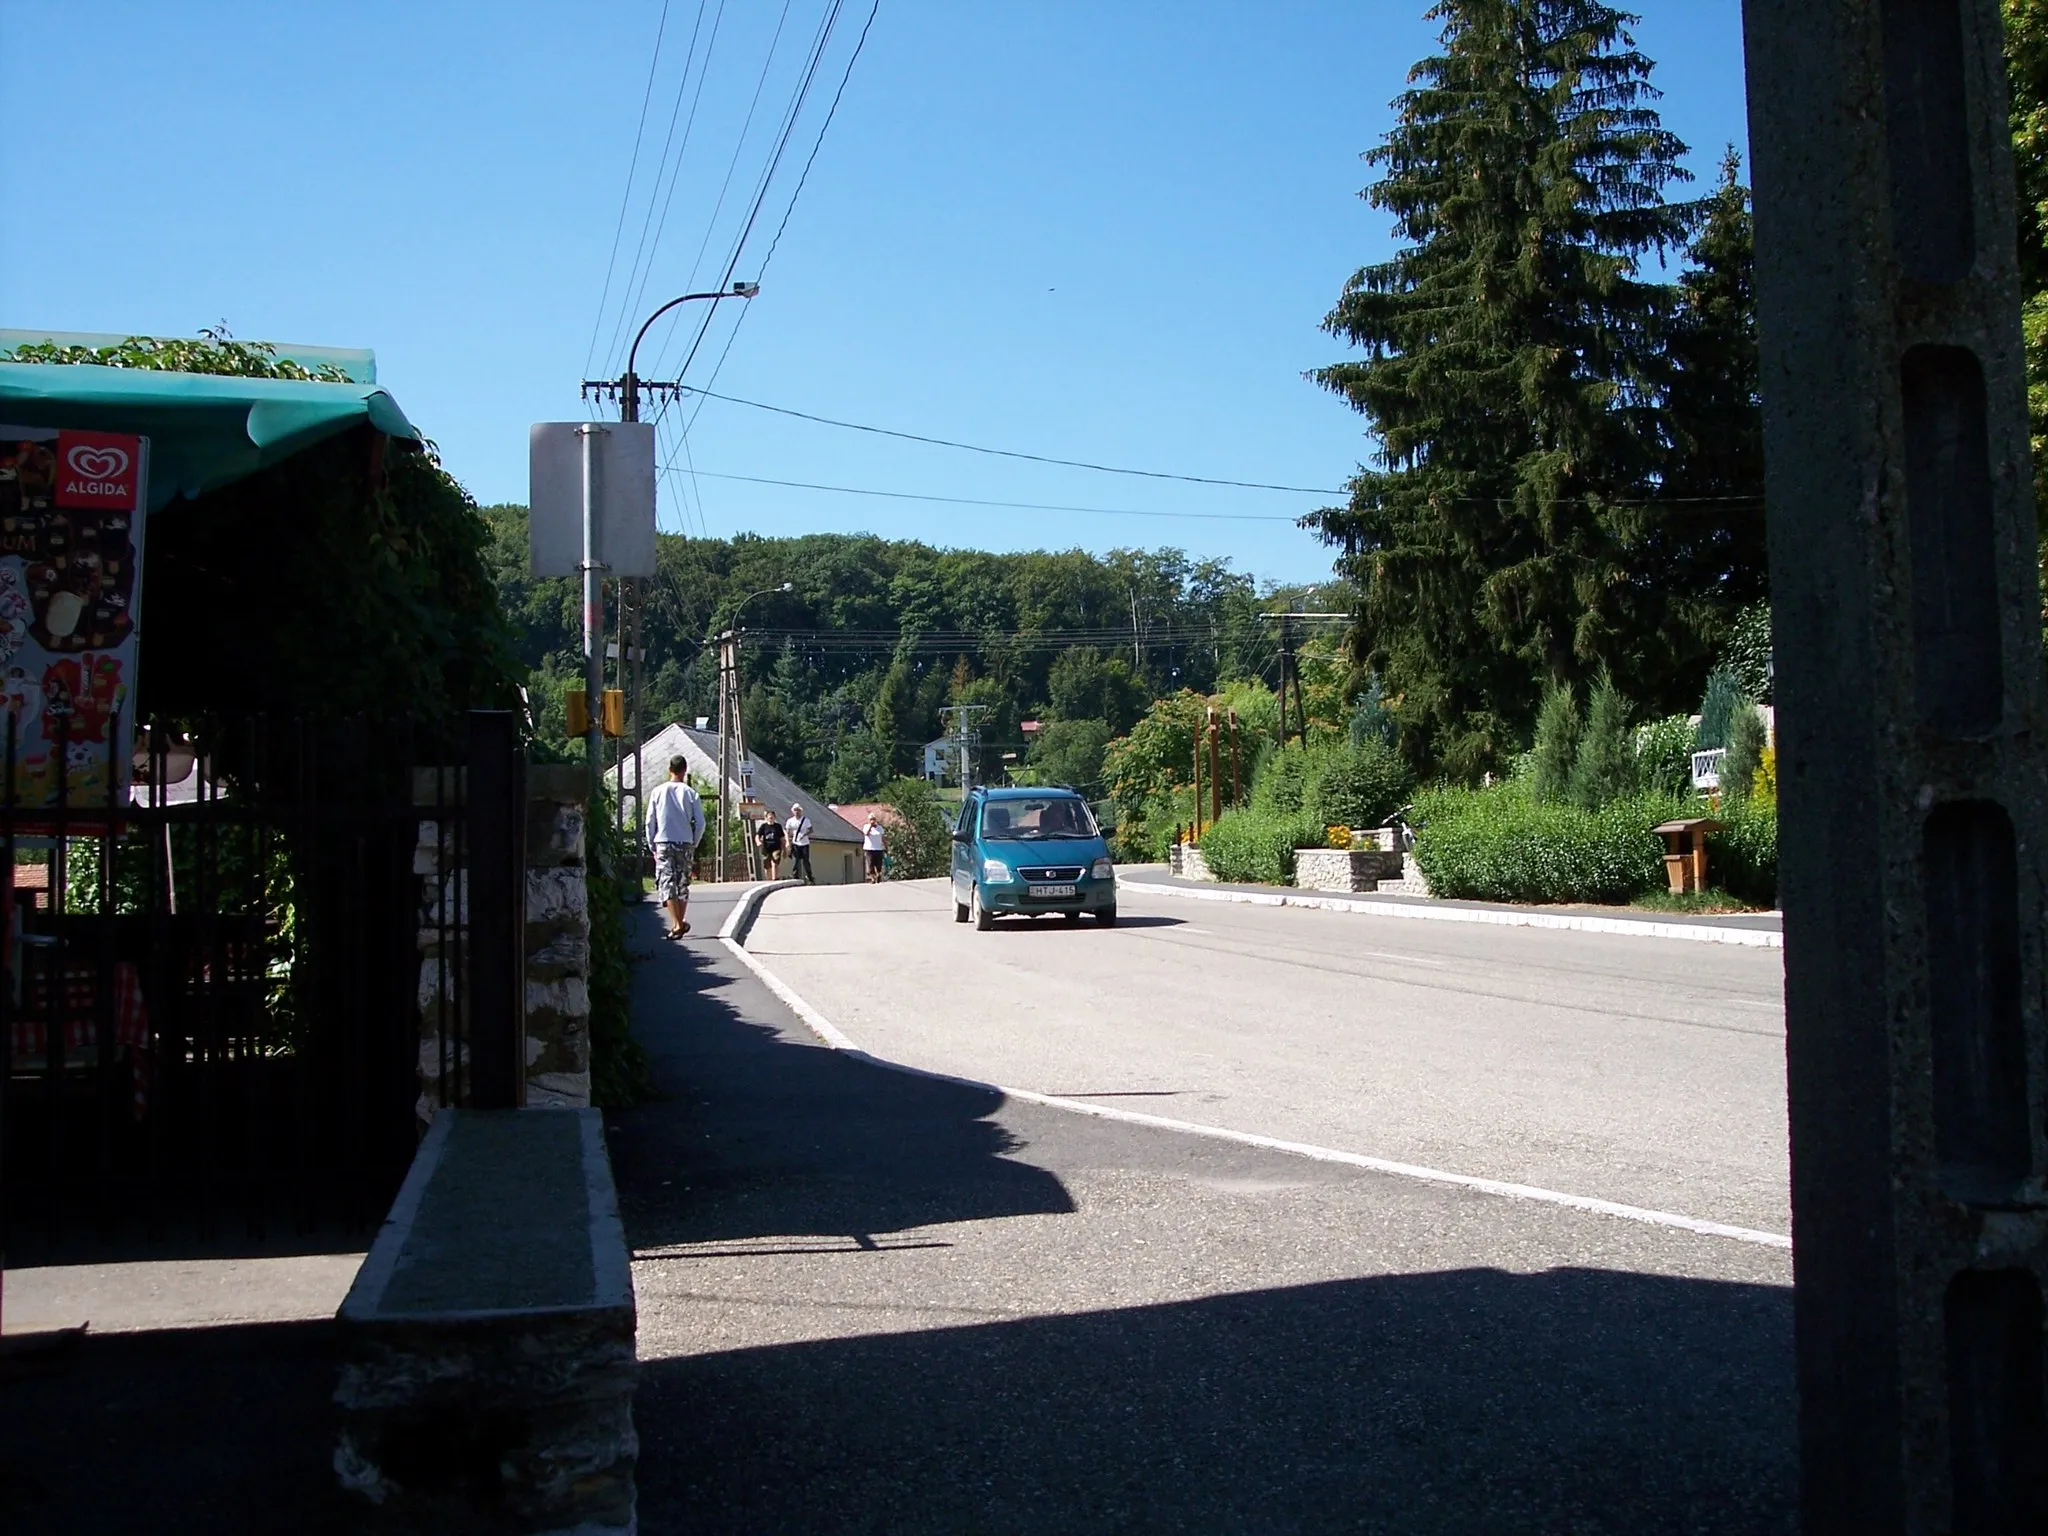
<point>1699,546</point>
<point>1745,751</point>
<point>1510,375</point>
<point>1604,768</point>
<point>1557,743</point>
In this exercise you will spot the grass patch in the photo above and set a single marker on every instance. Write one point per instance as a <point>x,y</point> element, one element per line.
<point>1697,903</point>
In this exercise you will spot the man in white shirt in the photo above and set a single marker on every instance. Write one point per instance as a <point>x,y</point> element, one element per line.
<point>871,844</point>
<point>798,827</point>
<point>675,825</point>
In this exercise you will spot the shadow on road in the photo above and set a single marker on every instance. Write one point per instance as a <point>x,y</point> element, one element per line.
<point>1574,1401</point>
<point>764,1135</point>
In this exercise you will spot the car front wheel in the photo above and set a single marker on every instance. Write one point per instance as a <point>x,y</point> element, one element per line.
<point>1106,917</point>
<point>983,918</point>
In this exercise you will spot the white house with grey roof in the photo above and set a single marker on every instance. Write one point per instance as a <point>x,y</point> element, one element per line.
<point>835,843</point>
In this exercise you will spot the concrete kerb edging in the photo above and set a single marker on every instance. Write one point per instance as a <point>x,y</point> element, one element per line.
<point>733,936</point>
<point>1633,927</point>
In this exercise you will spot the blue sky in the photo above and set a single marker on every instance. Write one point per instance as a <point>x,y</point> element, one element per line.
<point>1098,232</point>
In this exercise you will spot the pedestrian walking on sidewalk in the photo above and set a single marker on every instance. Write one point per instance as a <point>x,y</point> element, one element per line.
<point>798,830</point>
<point>872,844</point>
<point>769,835</point>
<point>675,825</point>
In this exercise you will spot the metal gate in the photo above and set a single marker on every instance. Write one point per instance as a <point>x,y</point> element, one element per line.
<point>224,991</point>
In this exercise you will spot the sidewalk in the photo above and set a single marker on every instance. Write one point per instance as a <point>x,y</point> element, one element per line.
<point>1760,929</point>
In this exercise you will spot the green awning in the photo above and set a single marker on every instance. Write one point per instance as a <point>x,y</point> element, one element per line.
<point>205,430</point>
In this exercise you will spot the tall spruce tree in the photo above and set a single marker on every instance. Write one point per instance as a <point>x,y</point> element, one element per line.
<point>1699,544</point>
<point>1511,375</point>
<point>2026,68</point>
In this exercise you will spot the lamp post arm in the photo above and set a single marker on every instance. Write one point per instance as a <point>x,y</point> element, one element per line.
<point>632,355</point>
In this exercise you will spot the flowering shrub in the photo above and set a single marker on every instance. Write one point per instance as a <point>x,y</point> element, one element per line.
<point>1340,837</point>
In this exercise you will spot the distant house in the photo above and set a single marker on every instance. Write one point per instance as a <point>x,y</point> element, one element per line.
<point>835,844</point>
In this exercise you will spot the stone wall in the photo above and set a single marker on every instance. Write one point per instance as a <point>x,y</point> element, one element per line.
<point>1341,869</point>
<point>557,943</point>
<point>1186,861</point>
<point>557,940</point>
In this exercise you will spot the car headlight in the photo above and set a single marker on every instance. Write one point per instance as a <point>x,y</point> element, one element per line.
<point>1103,870</point>
<point>996,872</point>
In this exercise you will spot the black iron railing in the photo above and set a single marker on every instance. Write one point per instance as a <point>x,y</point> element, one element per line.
<point>234,992</point>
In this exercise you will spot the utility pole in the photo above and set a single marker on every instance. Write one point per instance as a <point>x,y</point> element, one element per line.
<point>626,391</point>
<point>593,614</point>
<point>966,738</point>
<point>728,716</point>
<point>1215,779</point>
<point>1236,774</point>
<point>1913,726</point>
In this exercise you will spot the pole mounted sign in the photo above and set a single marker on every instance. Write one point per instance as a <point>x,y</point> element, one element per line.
<point>621,497</point>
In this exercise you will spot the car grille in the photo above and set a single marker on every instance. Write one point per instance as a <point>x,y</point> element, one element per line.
<point>1062,876</point>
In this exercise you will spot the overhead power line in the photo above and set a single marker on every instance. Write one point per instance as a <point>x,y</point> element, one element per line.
<point>974,501</point>
<point>1011,453</point>
<point>817,144</point>
<point>626,197</point>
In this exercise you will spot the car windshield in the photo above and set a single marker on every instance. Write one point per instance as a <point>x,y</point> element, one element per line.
<point>1034,819</point>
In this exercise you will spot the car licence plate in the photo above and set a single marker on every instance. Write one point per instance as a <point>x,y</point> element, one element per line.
<point>1052,890</point>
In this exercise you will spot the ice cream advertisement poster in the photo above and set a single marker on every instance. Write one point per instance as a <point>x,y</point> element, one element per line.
<point>71,516</point>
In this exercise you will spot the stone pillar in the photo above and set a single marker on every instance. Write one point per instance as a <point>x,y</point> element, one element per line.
<point>1913,739</point>
<point>557,940</point>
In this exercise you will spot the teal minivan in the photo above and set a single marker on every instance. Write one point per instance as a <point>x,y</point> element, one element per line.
<point>1030,852</point>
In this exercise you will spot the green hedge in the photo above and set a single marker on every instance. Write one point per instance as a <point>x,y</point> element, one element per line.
<point>1742,859</point>
<point>1502,844</point>
<point>1254,846</point>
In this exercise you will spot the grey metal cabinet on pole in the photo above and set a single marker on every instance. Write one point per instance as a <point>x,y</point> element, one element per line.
<point>1913,760</point>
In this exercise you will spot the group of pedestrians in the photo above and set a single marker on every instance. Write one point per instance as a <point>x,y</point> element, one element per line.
<point>794,834</point>
<point>675,826</point>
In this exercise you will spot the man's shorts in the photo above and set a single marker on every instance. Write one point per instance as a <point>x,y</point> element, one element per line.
<point>672,871</point>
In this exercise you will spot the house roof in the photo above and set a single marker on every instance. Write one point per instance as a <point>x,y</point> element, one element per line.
<point>857,815</point>
<point>771,786</point>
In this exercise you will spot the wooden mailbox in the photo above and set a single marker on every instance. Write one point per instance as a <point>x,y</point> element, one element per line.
<point>1685,851</point>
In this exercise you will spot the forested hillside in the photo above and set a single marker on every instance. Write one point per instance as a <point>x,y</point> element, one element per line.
<point>846,673</point>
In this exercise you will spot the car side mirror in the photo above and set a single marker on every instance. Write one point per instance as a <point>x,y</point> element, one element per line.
<point>963,837</point>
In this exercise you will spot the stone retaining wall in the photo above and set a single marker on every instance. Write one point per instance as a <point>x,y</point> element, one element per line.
<point>1342,869</point>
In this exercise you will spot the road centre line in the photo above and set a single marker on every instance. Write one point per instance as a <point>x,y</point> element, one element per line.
<point>733,936</point>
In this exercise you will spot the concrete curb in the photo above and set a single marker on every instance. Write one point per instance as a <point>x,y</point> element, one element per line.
<point>742,918</point>
<point>1641,928</point>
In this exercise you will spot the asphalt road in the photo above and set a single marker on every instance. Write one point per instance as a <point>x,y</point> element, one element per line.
<point>872,1301</point>
<point>1645,1071</point>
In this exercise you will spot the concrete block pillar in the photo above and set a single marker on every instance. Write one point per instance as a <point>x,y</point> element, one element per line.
<point>1913,760</point>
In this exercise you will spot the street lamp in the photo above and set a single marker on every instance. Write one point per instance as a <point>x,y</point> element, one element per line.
<point>629,386</point>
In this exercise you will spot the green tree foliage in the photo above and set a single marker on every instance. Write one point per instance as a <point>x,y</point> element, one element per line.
<point>2026,59</point>
<point>876,637</point>
<point>212,351</point>
<point>1700,540</point>
<point>921,843</point>
<point>1085,685</point>
<point>1717,710</point>
<point>1745,751</point>
<point>1748,651</point>
<point>1604,768</point>
<point>1509,533</point>
<point>1357,786</point>
<point>1070,752</point>
<point>1558,728</point>
<point>1663,754</point>
<point>1147,771</point>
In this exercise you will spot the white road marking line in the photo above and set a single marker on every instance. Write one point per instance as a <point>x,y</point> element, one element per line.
<point>833,1036</point>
